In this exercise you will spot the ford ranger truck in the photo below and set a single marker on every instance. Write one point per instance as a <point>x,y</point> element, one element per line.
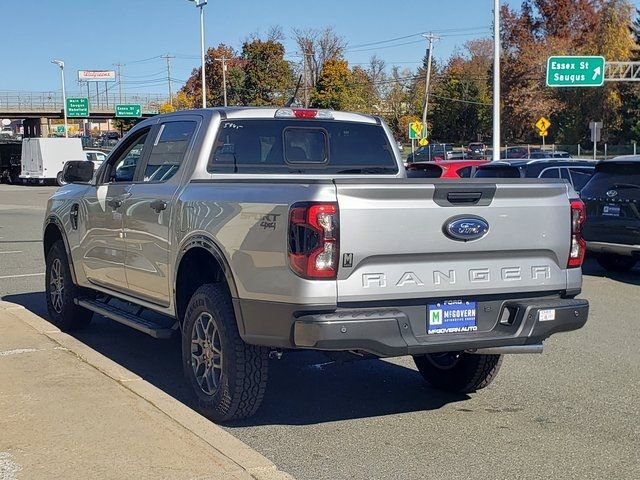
<point>256,231</point>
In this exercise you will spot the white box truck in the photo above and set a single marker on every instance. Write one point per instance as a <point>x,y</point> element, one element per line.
<point>44,158</point>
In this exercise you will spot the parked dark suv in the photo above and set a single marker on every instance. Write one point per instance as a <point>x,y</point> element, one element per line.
<point>577,172</point>
<point>612,200</point>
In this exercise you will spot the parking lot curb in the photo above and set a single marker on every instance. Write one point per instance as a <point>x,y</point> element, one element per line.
<point>248,459</point>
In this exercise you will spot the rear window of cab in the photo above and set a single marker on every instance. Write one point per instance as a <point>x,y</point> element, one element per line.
<point>301,146</point>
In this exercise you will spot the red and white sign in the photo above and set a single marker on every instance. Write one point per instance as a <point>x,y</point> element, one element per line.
<point>97,75</point>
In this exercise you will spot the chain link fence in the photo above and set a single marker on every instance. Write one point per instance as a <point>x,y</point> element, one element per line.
<point>13,101</point>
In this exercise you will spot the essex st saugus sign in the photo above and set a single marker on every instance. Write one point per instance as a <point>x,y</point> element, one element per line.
<point>579,71</point>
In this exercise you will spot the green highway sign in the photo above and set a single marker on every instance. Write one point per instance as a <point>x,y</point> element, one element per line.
<point>128,111</point>
<point>77,107</point>
<point>579,71</point>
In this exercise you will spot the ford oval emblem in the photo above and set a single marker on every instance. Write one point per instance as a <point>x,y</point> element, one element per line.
<point>466,228</point>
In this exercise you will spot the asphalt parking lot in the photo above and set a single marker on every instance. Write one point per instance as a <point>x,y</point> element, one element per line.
<point>572,412</point>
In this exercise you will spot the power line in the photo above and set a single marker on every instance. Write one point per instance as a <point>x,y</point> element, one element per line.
<point>145,75</point>
<point>132,62</point>
<point>416,34</point>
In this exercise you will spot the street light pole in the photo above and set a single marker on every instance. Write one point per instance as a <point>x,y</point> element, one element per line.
<point>60,63</point>
<point>496,80</point>
<point>200,4</point>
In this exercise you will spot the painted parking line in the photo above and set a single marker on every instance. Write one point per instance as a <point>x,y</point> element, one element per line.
<point>11,251</point>
<point>22,275</point>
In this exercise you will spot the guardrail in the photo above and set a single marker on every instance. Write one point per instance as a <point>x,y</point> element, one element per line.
<point>12,101</point>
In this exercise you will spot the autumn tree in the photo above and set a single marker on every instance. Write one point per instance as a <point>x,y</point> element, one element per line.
<point>316,47</point>
<point>179,101</point>
<point>213,69</point>
<point>395,98</point>
<point>334,86</point>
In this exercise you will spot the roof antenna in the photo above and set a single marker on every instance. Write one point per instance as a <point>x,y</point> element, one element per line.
<point>292,101</point>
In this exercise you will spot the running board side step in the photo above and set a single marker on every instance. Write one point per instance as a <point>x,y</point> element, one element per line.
<point>537,348</point>
<point>129,319</point>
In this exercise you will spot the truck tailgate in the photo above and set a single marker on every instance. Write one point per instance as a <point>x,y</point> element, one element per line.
<point>393,242</point>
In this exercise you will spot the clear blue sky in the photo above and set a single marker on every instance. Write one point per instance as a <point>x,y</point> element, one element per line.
<point>92,34</point>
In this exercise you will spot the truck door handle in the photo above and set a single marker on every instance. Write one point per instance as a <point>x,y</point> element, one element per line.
<point>114,203</point>
<point>464,197</point>
<point>158,205</point>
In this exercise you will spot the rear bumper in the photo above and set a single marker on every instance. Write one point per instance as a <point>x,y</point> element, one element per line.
<point>33,176</point>
<point>401,330</point>
<point>617,248</point>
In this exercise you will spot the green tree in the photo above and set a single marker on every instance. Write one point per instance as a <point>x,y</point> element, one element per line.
<point>268,77</point>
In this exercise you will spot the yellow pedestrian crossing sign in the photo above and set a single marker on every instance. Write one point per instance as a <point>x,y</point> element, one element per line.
<point>417,131</point>
<point>543,124</point>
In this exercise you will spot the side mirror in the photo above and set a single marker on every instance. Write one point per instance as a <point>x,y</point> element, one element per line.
<point>78,171</point>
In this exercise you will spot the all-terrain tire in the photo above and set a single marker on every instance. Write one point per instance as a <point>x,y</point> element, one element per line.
<point>242,372</point>
<point>458,372</point>
<point>616,263</point>
<point>63,311</point>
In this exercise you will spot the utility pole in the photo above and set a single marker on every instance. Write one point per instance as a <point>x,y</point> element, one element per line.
<point>224,79</point>
<point>168,58</point>
<point>305,99</point>
<point>496,80</point>
<point>119,80</point>
<point>431,37</point>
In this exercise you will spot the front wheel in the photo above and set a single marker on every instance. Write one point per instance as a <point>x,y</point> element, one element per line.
<point>227,376</point>
<point>616,263</point>
<point>458,372</point>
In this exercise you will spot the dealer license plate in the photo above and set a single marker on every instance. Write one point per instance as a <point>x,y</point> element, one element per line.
<point>451,316</point>
<point>611,210</point>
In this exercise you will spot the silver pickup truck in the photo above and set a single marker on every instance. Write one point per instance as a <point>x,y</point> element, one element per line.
<point>254,231</point>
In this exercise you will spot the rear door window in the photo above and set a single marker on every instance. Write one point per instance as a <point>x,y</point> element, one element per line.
<point>168,150</point>
<point>550,173</point>
<point>464,172</point>
<point>501,171</point>
<point>301,146</point>
<point>580,177</point>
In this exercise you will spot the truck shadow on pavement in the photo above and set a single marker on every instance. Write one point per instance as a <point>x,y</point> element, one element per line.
<point>593,269</point>
<point>304,387</point>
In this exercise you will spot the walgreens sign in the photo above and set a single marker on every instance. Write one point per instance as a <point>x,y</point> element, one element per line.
<point>97,75</point>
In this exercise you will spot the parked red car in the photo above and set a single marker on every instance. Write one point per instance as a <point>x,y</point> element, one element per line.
<point>445,169</point>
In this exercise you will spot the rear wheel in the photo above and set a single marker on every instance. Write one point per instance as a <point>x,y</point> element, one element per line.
<point>227,376</point>
<point>458,372</point>
<point>61,292</point>
<point>60,180</point>
<point>616,263</point>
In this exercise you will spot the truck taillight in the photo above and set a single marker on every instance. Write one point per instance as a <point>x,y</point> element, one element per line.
<point>313,240</point>
<point>578,245</point>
